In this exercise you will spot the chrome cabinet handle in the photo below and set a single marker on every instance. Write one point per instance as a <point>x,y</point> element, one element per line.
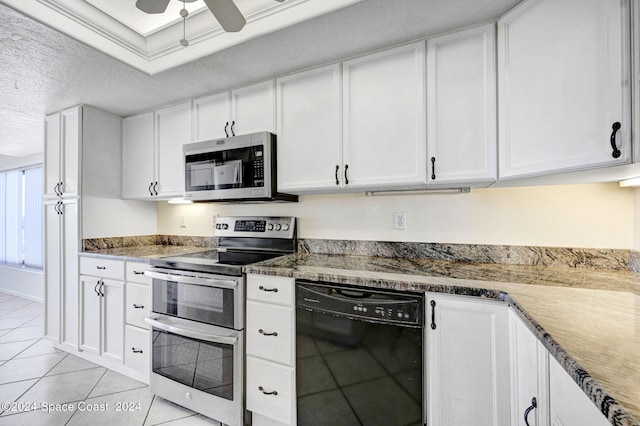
<point>138,306</point>
<point>275,290</point>
<point>337,180</point>
<point>346,178</point>
<point>261,389</point>
<point>225,129</point>
<point>233,132</point>
<point>616,152</point>
<point>534,404</point>
<point>136,351</point>
<point>433,168</point>
<point>274,334</point>
<point>433,314</point>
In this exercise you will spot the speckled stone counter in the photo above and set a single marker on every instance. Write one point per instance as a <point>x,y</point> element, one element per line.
<point>589,320</point>
<point>141,253</point>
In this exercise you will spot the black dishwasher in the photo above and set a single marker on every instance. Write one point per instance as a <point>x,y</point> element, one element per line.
<point>359,356</point>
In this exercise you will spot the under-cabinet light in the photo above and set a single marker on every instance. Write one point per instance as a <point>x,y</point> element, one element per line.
<point>179,200</point>
<point>630,182</point>
<point>419,191</point>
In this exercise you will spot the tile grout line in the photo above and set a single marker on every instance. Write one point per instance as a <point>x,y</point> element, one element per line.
<point>88,393</point>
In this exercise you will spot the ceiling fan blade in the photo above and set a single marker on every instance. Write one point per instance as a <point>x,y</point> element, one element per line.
<point>227,14</point>
<point>152,6</point>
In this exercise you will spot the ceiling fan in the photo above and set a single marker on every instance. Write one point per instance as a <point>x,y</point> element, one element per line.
<point>225,11</point>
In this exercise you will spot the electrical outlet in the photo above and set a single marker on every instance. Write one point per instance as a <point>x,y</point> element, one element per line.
<point>399,220</point>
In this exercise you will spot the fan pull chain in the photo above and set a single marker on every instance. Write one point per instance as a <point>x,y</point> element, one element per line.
<point>184,13</point>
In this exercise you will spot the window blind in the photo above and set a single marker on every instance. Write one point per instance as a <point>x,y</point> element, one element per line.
<point>33,228</point>
<point>13,217</point>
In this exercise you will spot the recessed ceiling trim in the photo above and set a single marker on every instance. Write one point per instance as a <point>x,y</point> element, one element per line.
<point>161,50</point>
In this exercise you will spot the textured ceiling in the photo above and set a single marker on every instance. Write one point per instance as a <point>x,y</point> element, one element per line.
<point>43,71</point>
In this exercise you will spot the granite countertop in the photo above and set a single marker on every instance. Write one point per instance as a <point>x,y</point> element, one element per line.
<point>141,253</point>
<point>588,319</point>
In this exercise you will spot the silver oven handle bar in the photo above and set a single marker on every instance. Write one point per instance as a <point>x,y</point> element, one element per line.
<point>228,340</point>
<point>211,282</point>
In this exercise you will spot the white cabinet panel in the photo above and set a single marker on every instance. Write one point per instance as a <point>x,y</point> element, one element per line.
<point>70,295</point>
<point>173,129</point>
<point>71,122</point>
<point>211,114</point>
<point>271,390</point>
<point>271,332</point>
<point>52,160</point>
<point>310,130</point>
<point>90,315</point>
<point>135,272</point>
<point>52,269</point>
<point>569,405</point>
<point>563,84</point>
<point>461,106</point>
<point>384,118</point>
<point>103,268</point>
<point>113,320</point>
<point>467,362</point>
<point>138,304</point>
<point>253,108</point>
<point>138,156</point>
<point>136,349</point>
<point>271,289</point>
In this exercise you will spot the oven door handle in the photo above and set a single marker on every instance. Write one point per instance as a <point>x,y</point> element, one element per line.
<point>211,282</point>
<point>227,340</point>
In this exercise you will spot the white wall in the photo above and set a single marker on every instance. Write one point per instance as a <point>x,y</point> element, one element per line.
<point>22,282</point>
<point>588,216</point>
<point>110,217</point>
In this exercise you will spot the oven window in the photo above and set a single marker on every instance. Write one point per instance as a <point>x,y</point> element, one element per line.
<point>210,305</point>
<point>201,365</point>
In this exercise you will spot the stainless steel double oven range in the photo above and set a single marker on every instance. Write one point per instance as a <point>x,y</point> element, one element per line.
<point>198,311</point>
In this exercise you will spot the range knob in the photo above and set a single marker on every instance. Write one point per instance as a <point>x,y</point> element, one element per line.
<point>278,227</point>
<point>285,227</point>
<point>270,227</point>
<point>225,226</point>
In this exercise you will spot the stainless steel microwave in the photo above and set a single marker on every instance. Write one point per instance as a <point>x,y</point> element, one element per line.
<point>238,168</point>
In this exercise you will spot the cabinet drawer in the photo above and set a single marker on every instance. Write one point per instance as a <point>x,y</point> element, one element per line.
<point>264,376</point>
<point>135,272</point>
<point>103,268</point>
<point>136,340</point>
<point>270,289</point>
<point>138,304</point>
<point>271,332</point>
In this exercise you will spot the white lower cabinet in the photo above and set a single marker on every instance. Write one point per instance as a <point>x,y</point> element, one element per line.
<point>569,405</point>
<point>271,333</point>
<point>467,361</point>
<point>136,349</point>
<point>136,331</point>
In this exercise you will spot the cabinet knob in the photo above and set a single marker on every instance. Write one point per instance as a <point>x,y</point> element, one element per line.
<point>616,152</point>
<point>261,389</point>
<point>274,334</point>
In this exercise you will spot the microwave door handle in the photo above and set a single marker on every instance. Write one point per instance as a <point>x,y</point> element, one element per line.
<point>210,282</point>
<point>226,340</point>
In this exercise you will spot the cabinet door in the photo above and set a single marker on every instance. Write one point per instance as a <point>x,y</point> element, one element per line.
<point>113,320</point>
<point>70,246</point>
<point>90,314</point>
<point>52,158</point>
<point>271,390</point>
<point>467,362</point>
<point>529,375</point>
<point>310,131</point>
<point>563,67</point>
<point>461,107</point>
<point>137,156</point>
<point>211,115</point>
<point>384,119</point>
<point>569,405</point>
<point>136,353</point>
<point>71,120</point>
<point>253,108</point>
<point>271,332</point>
<point>173,129</point>
<point>52,269</point>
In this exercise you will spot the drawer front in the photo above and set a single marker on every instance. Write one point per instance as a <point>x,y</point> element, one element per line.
<point>138,304</point>
<point>270,289</point>
<point>135,272</point>
<point>271,332</point>
<point>136,340</point>
<point>103,268</point>
<point>263,378</point>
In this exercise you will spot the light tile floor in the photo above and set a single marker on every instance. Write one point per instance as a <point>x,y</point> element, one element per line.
<point>38,382</point>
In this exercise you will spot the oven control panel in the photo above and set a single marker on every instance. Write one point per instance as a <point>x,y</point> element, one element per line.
<point>256,227</point>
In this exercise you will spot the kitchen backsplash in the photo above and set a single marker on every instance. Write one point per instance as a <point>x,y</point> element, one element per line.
<point>616,259</point>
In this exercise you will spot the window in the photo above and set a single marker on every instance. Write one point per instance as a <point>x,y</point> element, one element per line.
<point>21,229</point>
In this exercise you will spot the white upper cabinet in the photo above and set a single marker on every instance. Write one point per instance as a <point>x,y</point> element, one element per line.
<point>467,361</point>
<point>384,120</point>
<point>62,153</point>
<point>563,71</point>
<point>152,164</point>
<point>242,111</point>
<point>309,130</point>
<point>138,156</point>
<point>461,108</point>
<point>173,130</point>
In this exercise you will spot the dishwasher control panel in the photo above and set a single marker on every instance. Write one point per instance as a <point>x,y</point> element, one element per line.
<point>383,306</point>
